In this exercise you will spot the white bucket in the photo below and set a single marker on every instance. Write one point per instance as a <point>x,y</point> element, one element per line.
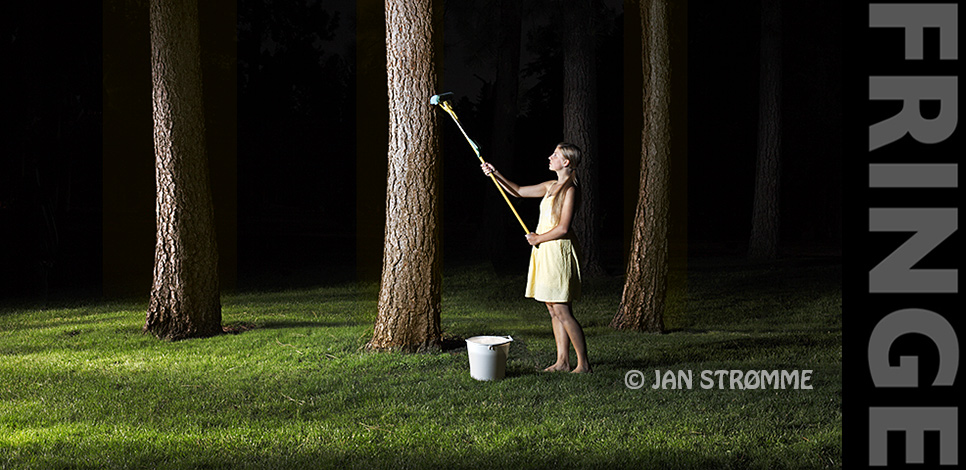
<point>488,356</point>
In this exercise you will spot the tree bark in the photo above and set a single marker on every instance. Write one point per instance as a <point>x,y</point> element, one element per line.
<point>580,124</point>
<point>185,299</point>
<point>765,221</point>
<point>645,287</point>
<point>408,317</point>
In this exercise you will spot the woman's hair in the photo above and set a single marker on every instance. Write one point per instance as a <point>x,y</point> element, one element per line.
<point>570,152</point>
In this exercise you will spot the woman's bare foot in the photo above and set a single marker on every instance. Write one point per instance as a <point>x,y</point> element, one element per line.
<point>558,368</point>
<point>582,370</point>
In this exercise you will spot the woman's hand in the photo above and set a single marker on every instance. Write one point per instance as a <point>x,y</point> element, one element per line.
<point>487,168</point>
<point>532,239</point>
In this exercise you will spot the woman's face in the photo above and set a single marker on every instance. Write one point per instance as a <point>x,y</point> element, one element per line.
<point>557,160</point>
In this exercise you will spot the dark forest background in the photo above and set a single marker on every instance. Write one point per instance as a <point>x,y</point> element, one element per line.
<point>296,118</point>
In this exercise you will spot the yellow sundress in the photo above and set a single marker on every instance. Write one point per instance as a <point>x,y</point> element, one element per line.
<point>554,274</point>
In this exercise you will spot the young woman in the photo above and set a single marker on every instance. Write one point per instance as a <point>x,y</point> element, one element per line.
<point>554,275</point>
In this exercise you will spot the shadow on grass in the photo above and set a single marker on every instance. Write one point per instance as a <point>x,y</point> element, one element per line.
<point>285,324</point>
<point>732,276</point>
<point>346,293</point>
<point>793,349</point>
<point>470,455</point>
<point>452,344</point>
<point>73,299</point>
<point>58,323</point>
<point>772,297</point>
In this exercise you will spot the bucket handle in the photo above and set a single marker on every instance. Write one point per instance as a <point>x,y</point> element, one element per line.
<point>509,340</point>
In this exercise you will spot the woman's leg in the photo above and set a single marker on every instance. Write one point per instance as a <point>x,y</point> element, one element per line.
<point>563,342</point>
<point>564,315</point>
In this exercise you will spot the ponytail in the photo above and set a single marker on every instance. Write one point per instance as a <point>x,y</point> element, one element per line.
<point>572,153</point>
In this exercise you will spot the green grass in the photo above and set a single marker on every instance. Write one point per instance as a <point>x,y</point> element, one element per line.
<point>82,387</point>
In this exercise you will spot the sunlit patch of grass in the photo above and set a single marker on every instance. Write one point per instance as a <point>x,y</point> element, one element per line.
<point>81,386</point>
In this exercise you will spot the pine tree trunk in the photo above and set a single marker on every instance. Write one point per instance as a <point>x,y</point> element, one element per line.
<point>763,243</point>
<point>645,286</point>
<point>185,298</point>
<point>580,124</point>
<point>409,297</point>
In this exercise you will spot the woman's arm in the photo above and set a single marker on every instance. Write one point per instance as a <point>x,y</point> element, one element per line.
<point>562,228</point>
<point>515,190</point>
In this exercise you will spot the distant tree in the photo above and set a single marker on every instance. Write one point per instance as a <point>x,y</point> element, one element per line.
<point>645,287</point>
<point>505,91</point>
<point>507,83</point>
<point>408,317</point>
<point>487,34</point>
<point>50,165</point>
<point>295,91</point>
<point>580,122</point>
<point>765,215</point>
<point>287,64</point>
<point>185,298</point>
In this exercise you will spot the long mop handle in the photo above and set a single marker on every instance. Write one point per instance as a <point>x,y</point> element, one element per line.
<point>446,107</point>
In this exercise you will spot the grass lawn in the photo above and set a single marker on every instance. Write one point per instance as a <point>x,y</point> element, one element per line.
<point>82,387</point>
